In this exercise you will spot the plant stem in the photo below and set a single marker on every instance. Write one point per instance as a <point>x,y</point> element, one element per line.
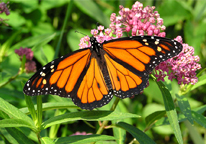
<point>101,128</point>
<point>39,116</point>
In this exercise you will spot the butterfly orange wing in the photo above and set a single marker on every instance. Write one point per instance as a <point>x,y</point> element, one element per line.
<point>130,60</point>
<point>60,76</point>
<point>93,91</point>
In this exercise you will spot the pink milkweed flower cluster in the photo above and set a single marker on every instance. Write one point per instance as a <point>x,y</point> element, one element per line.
<point>30,65</point>
<point>100,34</point>
<point>4,9</point>
<point>183,67</point>
<point>146,21</point>
<point>138,21</point>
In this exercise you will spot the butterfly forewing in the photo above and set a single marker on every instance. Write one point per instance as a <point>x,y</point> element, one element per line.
<point>60,76</point>
<point>142,53</point>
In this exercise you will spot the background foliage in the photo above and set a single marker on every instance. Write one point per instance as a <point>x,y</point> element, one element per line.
<point>48,28</point>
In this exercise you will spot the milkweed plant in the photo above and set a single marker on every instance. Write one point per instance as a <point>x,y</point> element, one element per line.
<point>176,80</point>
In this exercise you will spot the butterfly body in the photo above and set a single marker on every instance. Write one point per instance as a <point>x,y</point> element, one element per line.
<point>92,75</point>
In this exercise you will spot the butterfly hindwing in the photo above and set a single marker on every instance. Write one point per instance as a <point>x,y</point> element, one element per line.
<point>125,83</point>
<point>92,90</point>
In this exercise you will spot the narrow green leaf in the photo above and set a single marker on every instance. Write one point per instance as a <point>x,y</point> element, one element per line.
<point>32,41</point>
<point>43,41</point>
<point>170,110</point>
<point>200,109</point>
<point>28,133</point>
<point>47,140</point>
<point>201,81</point>
<point>89,116</point>
<point>140,136</point>
<point>13,112</point>
<point>119,133</point>
<point>194,134</point>
<point>30,107</point>
<point>91,8</point>
<point>6,45</point>
<point>185,107</point>
<point>15,123</point>
<point>19,136</point>
<point>154,117</point>
<point>82,139</point>
<point>51,106</point>
<point>7,136</point>
<point>68,12</point>
<point>200,119</point>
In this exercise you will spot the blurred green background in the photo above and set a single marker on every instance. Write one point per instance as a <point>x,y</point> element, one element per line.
<point>48,27</point>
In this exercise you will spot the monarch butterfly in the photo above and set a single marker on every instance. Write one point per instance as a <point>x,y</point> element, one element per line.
<point>91,76</point>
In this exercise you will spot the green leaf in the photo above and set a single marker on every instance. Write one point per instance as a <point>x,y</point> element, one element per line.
<point>82,139</point>
<point>34,40</point>
<point>7,136</point>
<point>171,112</point>
<point>194,133</point>
<point>42,42</point>
<point>91,8</point>
<point>201,81</point>
<point>200,119</point>
<point>18,136</point>
<point>30,106</point>
<point>47,140</point>
<point>140,136</point>
<point>150,119</point>
<point>89,116</point>
<point>201,109</point>
<point>15,19</point>
<point>185,107</point>
<point>173,11</point>
<point>120,134</point>
<point>51,106</point>
<point>14,123</point>
<point>14,113</point>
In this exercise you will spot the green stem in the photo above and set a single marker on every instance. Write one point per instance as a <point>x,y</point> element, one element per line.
<point>21,70</point>
<point>39,112</point>
<point>39,116</point>
<point>69,8</point>
<point>101,128</point>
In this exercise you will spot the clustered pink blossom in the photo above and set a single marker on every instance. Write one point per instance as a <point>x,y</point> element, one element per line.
<point>30,65</point>
<point>25,51</point>
<point>146,21</point>
<point>4,9</point>
<point>182,67</point>
<point>138,21</point>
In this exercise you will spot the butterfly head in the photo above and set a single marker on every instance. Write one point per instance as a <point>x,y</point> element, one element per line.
<point>95,45</point>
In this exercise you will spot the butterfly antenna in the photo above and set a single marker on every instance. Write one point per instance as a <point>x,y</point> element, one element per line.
<point>80,33</point>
